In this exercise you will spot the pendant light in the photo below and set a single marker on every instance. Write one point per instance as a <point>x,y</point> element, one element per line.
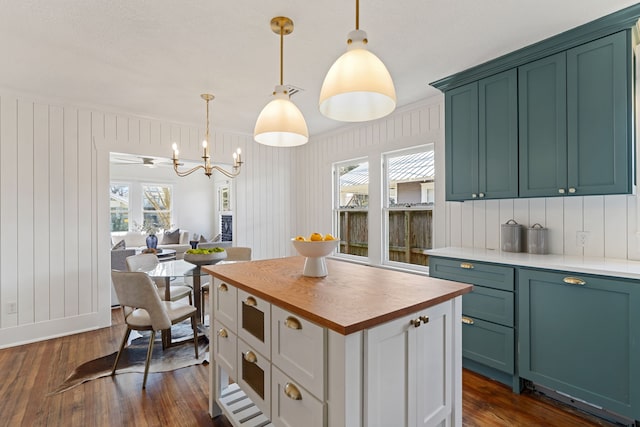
<point>281,124</point>
<point>358,86</point>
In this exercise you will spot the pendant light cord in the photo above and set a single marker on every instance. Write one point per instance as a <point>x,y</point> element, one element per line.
<point>281,53</point>
<point>357,14</point>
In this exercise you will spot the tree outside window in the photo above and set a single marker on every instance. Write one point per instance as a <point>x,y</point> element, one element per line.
<point>119,205</point>
<point>156,205</point>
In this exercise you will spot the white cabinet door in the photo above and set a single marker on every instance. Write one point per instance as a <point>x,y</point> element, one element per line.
<point>408,370</point>
<point>225,306</point>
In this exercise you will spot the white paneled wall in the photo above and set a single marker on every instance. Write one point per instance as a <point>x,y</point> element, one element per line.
<point>611,221</point>
<point>54,207</point>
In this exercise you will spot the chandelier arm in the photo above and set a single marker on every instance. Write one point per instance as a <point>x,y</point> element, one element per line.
<point>236,171</point>
<point>187,172</point>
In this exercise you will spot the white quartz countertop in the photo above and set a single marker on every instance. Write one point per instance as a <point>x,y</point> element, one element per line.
<point>577,264</point>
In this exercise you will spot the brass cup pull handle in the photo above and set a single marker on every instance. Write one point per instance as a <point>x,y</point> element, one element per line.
<point>223,333</point>
<point>466,265</point>
<point>415,322</point>
<point>467,320</point>
<point>574,281</point>
<point>250,357</point>
<point>251,301</point>
<point>292,323</point>
<point>292,392</point>
<point>223,287</point>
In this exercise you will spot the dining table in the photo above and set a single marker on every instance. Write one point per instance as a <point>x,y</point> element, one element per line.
<point>173,270</point>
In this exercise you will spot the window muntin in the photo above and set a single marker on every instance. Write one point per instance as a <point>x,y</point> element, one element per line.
<point>408,205</point>
<point>119,207</point>
<point>351,207</point>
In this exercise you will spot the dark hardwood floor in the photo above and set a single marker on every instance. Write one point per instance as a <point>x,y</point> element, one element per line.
<point>180,398</point>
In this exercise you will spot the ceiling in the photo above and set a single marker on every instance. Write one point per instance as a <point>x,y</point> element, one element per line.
<point>155,57</point>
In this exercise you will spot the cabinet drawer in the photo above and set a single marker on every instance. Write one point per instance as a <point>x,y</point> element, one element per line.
<point>292,404</point>
<point>254,376</point>
<point>225,304</point>
<point>298,349</point>
<point>225,347</point>
<point>476,273</point>
<point>254,322</point>
<point>489,304</point>
<point>488,343</point>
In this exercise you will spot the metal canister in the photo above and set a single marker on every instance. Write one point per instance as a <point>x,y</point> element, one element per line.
<point>537,239</point>
<point>511,236</point>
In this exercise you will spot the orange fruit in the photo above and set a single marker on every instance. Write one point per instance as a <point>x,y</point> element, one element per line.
<point>329,237</point>
<point>315,237</point>
<point>300,238</point>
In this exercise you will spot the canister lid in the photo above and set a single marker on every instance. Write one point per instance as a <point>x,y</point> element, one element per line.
<point>511,223</point>
<point>536,226</point>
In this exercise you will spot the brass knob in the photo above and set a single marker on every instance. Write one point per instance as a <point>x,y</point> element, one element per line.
<point>466,265</point>
<point>467,320</point>
<point>481,195</point>
<point>251,301</point>
<point>574,281</point>
<point>572,190</point>
<point>425,319</point>
<point>474,195</point>
<point>223,333</point>
<point>223,287</point>
<point>292,323</point>
<point>250,357</point>
<point>292,392</point>
<point>561,190</point>
<point>415,322</point>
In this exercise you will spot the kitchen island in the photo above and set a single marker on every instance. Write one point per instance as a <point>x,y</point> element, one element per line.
<point>363,346</point>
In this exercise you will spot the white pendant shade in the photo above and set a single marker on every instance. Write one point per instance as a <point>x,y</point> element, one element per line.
<point>281,123</point>
<point>358,86</point>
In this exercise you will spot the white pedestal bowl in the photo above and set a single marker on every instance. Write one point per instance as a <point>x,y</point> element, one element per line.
<point>315,253</point>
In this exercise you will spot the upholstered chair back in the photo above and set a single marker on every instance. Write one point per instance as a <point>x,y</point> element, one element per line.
<point>142,262</point>
<point>137,290</point>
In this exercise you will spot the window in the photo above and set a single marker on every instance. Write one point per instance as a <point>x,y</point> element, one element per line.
<point>119,205</point>
<point>351,207</point>
<point>156,205</point>
<point>409,198</point>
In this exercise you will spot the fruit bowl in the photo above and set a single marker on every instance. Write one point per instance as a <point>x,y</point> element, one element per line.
<point>205,258</point>
<point>315,251</point>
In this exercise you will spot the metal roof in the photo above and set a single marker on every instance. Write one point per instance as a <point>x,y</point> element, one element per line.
<point>410,167</point>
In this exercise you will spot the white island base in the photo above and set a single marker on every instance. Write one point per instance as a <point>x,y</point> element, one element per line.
<point>406,371</point>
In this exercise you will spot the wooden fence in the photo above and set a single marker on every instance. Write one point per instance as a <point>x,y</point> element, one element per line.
<point>410,234</point>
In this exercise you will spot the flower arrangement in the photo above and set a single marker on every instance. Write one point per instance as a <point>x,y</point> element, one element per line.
<point>151,227</point>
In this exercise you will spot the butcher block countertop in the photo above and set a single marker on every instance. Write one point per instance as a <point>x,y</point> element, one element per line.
<point>351,298</point>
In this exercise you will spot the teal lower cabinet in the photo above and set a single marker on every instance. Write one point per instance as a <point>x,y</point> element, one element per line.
<point>580,335</point>
<point>488,322</point>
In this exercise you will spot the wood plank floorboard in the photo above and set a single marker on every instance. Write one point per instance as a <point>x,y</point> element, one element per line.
<point>180,397</point>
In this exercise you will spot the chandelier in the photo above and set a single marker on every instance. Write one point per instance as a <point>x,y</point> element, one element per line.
<point>208,167</point>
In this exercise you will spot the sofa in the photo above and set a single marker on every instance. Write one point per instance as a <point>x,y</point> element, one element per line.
<point>137,240</point>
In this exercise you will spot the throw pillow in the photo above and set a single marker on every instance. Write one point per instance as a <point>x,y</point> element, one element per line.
<point>120,245</point>
<point>171,237</point>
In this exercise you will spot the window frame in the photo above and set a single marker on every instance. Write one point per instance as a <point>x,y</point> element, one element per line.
<point>386,208</point>
<point>143,197</point>
<point>336,208</point>
<point>128,220</point>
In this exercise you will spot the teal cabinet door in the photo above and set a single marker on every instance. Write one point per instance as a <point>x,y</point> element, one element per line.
<point>498,136</point>
<point>599,97</point>
<point>542,110</point>
<point>580,335</point>
<point>461,142</point>
<point>481,140</point>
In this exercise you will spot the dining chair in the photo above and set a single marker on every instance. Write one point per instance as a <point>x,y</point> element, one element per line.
<point>145,311</point>
<point>147,262</point>
<point>234,253</point>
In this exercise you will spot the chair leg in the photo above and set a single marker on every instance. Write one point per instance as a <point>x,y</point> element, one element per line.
<point>146,365</point>
<point>124,341</point>
<point>195,333</point>
<point>202,304</point>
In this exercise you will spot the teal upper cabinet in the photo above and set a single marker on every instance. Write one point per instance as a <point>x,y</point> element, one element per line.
<point>574,120</point>
<point>599,107</point>
<point>481,139</point>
